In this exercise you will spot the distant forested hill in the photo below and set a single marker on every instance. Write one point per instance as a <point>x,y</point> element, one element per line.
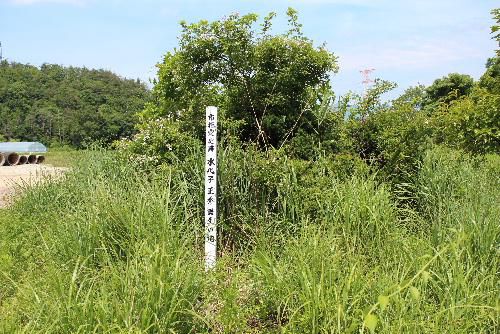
<point>67,105</point>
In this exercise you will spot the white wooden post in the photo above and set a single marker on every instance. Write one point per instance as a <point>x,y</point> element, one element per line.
<point>211,188</point>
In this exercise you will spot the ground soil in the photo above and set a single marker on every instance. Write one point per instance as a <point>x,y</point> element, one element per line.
<point>14,178</point>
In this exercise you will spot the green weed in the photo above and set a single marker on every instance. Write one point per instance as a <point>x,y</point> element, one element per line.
<point>305,249</point>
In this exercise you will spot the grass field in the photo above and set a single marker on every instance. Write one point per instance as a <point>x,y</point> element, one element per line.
<point>63,157</point>
<point>304,249</point>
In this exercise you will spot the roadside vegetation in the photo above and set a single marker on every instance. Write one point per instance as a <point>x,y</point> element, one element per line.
<point>347,215</point>
<point>110,249</point>
<point>65,156</point>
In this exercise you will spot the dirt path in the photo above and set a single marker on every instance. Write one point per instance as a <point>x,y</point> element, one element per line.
<point>12,176</point>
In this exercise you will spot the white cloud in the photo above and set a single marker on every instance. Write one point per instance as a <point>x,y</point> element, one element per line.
<point>416,55</point>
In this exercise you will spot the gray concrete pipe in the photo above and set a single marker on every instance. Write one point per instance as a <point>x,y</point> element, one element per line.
<point>40,159</point>
<point>23,159</point>
<point>32,159</point>
<point>2,159</point>
<point>11,159</point>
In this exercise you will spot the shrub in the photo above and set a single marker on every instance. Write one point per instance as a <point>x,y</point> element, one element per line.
<point>393,139</point>
<point>471,123</point>
<point>270,84</point>
<point>159,141</point>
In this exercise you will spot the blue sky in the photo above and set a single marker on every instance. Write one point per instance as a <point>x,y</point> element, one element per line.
<point>408,42</point>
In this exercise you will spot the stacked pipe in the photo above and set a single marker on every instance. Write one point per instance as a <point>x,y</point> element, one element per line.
<point>13,159</point>
<point>23,159</point>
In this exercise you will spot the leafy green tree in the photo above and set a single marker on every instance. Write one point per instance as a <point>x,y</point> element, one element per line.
<point>359,111</point>
<point>448,88</point>
<point>268,85</point>
<point>67,105</point>
<point>391,135</point>
<point>490,80</point>
<point>413,96</point>
<point>471,122</point>
<point>495,29</point>
<point>328,135</point>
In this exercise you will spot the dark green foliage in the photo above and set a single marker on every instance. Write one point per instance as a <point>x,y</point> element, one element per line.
<point>396,140</point>
<point>323,133</point>
<point>448,88</point>
<point>390,136</point>
<point>67,105</point>
<point>490,80</point>
<point>258,186</point>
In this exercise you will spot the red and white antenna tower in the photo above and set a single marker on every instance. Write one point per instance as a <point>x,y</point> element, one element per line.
<point>366,77</point>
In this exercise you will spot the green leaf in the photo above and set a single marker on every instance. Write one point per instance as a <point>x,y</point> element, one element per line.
<point>426,276</point>
<point>405,282</point>
<point>352,328</point>
<point>383,301</point>
<point>415,293</point>
<point>371,321</point>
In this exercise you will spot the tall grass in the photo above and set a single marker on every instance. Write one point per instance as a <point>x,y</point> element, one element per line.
<point>103,250</point>
<point>306,248</point>
<point>62,156</point>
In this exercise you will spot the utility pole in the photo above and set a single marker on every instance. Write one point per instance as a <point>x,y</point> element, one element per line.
<point>366,77</point>
<point>367,81</point>
<point>1,52</point>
